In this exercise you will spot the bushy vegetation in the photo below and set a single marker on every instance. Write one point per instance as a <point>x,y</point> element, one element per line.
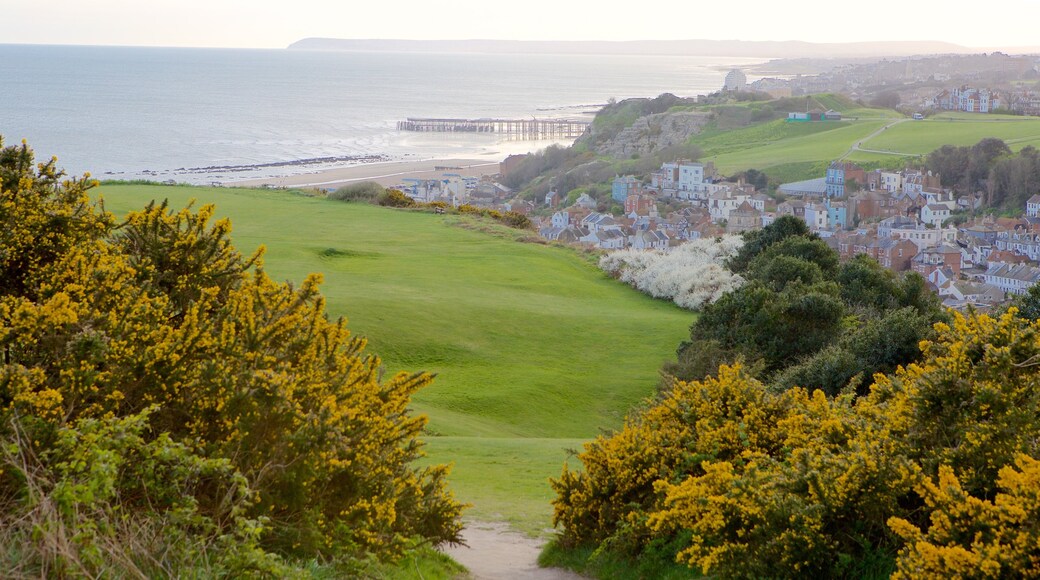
<point>930,474</point>
<point>691,275</point>
<point>366,191</point>
<point>168,409</point>
<point>802,318</point>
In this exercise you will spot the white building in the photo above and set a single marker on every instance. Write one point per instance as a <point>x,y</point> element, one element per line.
<point>1033,206</point>
<point>1012,278</point>
<point>935,214</point>
<point>922,236</point>
<point>692,180</point>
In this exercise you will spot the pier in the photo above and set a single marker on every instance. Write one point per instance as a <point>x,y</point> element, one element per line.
<point>520,128</point>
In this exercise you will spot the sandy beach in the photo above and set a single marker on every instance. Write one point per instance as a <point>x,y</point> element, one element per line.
<point>386,174</point>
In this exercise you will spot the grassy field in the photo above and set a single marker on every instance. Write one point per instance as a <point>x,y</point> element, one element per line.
<point>534,348</point>
<point>779,143</point>
<point>795,151</point>
<point>922,137</point>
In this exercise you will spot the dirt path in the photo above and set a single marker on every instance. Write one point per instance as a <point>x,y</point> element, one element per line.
<point>857,146</point>
<point>497,553</point>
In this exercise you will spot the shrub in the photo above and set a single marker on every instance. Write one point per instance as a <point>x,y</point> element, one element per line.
<point>395,198</point>
<point>161,315</point>
<point>691,275</point>
<point>365,191</point>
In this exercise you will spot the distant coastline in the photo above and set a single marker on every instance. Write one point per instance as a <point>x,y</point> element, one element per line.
<point>731,48</point>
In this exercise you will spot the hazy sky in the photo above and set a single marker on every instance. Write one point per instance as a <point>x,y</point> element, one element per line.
<point>277,23</point>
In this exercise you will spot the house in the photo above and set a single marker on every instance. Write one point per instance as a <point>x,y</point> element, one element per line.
<point>967,99</point>
<point>815,216</point>
<point>839,173</point>
<point>1012,279</point>
<point>837,215</point>
<point>1033,206</point>
<point>935,214</point>
<point>607,239</point>
<point>973,293</point>
<point>649,240</point>
<point>721,204</point>
<point>666,178</point>
<point>879,180</point>
<point>552,199</point>
<point>743,218</point>
<point>599,221</point>
<point>1021,243</point>
<point>894,254</point>
<point>586,202</point>
<point>793,207</point>
<point>694,178</point>
<point>918,233</point>
<point>640,204</point>
<point>623,187</point>
<point>944,256</point>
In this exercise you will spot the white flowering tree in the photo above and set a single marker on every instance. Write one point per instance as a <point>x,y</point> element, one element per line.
<point>692,274</point>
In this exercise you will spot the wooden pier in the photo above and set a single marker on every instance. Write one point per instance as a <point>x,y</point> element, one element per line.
<point>521,128</point>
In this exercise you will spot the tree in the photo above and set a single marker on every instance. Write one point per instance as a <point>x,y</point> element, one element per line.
<point>755,241</point>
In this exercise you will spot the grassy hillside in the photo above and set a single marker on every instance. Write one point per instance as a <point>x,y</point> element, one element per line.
<point>923,137</point>
<point>535,349</point>
<point>779,143</point>
<point>793,151</point>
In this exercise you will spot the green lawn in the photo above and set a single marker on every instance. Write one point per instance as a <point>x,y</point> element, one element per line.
<point>923,137</point>
<point>534,348</point>
<point>819,142</point>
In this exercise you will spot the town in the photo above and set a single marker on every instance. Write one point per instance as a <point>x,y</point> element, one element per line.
<point>903,219</point>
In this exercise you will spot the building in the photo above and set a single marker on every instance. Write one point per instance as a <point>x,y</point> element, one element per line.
<point>894,254</point>
<point>815,216</point>
<point>941,257</point>
<point>837,215</point>
<point>743,218</point>
<point>967,99</point>
<point>1012,278</point>
<point>624,187</point>
<point>935,214</point>
<point>640,204</point>
<point>736,80</point>
<point>808,188</point>
<point>694,178</point>
<point>839,173</point>
<point>666,178</point>
<point>1033,206</point>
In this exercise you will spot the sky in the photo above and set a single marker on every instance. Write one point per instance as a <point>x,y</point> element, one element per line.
<point>278,23</point>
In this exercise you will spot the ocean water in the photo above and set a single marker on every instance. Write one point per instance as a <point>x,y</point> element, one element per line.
<point>201,115</point>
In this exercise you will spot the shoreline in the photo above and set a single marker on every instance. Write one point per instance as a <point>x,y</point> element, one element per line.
<point>384,173</point>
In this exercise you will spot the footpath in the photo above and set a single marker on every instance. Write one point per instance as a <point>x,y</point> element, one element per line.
<point>495,552</point>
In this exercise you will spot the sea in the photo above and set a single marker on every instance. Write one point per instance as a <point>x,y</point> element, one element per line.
<point>196,115</point>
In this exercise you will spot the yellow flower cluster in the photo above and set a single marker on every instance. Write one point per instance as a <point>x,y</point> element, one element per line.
<point>915,478</point>
<point>100,321</point>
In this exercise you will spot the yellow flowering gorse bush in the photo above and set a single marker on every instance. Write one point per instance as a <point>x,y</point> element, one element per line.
<point>161,313</point>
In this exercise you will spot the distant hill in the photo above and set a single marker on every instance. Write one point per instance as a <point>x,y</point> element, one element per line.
<point>742,48</point>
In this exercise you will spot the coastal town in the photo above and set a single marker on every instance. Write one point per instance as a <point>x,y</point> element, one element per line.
<point>903,219</point>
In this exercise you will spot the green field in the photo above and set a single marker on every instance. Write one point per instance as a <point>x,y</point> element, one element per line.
<point>799,143</point>
<point>923,137</point>
<point>534,348</point>
<point>795,151</point>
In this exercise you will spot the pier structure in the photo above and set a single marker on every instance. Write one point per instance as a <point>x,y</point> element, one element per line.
<point>521,128</point>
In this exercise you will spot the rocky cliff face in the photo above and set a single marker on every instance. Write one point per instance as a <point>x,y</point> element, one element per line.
<point>649,134</point>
